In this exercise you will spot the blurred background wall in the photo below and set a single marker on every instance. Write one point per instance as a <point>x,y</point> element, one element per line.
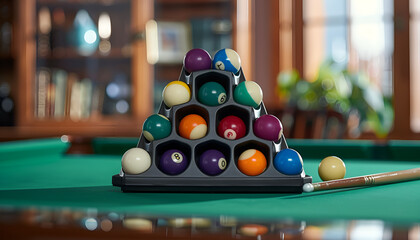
<point>328,68</point>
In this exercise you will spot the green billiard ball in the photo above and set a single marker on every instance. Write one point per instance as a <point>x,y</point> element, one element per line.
<point>248,93</point>
<point>156,127</point>
<point>212,94</point>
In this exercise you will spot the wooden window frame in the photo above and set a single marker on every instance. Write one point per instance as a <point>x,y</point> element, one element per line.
<point>401,58</point>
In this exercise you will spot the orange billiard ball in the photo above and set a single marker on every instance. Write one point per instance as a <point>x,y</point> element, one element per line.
<point>193,126</point>
<point>252,162</point>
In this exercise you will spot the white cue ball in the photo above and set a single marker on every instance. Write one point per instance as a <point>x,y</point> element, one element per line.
<point>307,187</point>
<point>135,161</point>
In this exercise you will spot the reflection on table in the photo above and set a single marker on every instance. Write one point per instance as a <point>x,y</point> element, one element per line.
<point>41,223</point>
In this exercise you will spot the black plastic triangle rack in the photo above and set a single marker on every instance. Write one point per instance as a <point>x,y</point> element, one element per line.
<point>231,180</point>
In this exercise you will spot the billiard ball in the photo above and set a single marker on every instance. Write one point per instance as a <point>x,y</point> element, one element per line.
<point>212,162</point>
<point>156,127</point>
<point>231,127</point>
<point>197,59</point>
<point>175,93</point>
<point>248,93</point>
<point>135,161</point>
<point>331,168</point>
<point>227,60</point>
<point>212,94</point>
<point>252,162</point>
<point>173,162</point>
<point>268,127</point>
<point>288,161</point>
<point>193,126</point>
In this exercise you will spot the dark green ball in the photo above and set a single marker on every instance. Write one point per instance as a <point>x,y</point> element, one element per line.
<point>212,94</point>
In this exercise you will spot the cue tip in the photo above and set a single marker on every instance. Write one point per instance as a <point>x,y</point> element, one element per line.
<point>308,187</point>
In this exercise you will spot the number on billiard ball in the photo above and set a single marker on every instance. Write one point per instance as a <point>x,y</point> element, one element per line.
<point>156,127</point>
<point>212,94</point>
<point>173,162</point>
<point>197,59</point>
<point>231,127</point>
<point>212,162</point>
<point>227,60</point>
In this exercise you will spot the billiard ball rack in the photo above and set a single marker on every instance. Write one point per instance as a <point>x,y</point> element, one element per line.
<point>193,179</point>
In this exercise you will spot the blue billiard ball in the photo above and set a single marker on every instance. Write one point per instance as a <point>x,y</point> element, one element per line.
<point>289,162</point>
<point>227,60</point>
<point>212,162</point>
<point>173,162</point>
<point>212,94</point>
<point>156,127</point>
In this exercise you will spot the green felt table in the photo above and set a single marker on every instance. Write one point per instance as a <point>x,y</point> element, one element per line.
<point>37,173</point>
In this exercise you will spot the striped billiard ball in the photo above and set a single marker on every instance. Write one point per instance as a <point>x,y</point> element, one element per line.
<point>176,93</point>
<point>156,127</point>
<point>248,93</point>
<point>227,60</point>
<point>252,162</point>
<point>193,126</point>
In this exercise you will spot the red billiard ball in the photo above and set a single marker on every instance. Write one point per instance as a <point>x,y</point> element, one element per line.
<point>231,127</point>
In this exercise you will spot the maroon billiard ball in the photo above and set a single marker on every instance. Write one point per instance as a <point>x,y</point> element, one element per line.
<point>268,127</point>
<point>231,127</point>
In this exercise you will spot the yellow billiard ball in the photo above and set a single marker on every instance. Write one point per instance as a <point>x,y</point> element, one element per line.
<point>331,168</point>
<point>175,93</point>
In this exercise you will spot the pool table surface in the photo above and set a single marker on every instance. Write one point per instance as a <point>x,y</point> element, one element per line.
<point>37,173</point>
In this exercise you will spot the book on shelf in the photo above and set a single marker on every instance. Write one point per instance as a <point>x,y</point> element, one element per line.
<point>60,83</point>
<point>43,80</point>
<point>86,95</point>
<point>61,95</point>
<point>64,95</point>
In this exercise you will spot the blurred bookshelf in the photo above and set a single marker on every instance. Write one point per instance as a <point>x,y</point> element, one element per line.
<point>80,68</point>
<point>77,69</point>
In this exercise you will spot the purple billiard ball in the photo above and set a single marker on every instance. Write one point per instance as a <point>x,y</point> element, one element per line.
<point>212,162</point>
<point>268,127</point>
<point>173,162</point>
<point>197,59</point>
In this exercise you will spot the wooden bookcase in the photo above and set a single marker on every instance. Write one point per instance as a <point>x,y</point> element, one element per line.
<point>28,62</point>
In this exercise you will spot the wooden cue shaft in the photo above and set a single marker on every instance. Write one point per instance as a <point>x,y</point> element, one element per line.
<point>374,179</point>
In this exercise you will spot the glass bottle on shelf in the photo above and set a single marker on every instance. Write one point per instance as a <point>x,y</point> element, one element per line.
<point>83,59</point>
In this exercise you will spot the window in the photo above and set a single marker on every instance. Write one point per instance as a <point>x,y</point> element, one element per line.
<point>361,39</point>
<point>414,65</point>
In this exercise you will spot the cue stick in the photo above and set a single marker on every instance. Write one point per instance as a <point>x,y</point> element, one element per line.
<point>367,180</point>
